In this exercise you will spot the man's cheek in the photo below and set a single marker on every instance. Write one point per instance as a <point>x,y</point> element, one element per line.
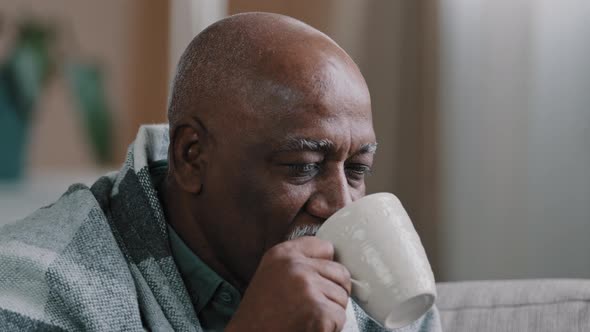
<point>291,197</point>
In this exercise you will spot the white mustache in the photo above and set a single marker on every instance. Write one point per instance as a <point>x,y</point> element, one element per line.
<point>305,230</point>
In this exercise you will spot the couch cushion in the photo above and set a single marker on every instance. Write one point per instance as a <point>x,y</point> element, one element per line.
<point>515,305</point>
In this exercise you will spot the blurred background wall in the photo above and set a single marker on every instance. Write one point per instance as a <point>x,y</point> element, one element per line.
<point>480,109</point>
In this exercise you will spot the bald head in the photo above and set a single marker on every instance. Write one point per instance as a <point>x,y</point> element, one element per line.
<point>252,62</point>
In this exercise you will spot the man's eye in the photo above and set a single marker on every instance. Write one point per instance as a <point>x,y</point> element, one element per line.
<point>303,170</point>
<point>358,171</point>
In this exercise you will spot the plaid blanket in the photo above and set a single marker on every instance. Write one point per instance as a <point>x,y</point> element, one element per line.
<point>98,258</point>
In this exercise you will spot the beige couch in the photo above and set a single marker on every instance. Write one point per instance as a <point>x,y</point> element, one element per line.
<point>552,305</point>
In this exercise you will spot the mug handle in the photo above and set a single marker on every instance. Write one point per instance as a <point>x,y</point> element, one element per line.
<point>361,290</point>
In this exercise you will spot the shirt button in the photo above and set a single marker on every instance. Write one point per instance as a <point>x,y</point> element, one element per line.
<point>225,297</point>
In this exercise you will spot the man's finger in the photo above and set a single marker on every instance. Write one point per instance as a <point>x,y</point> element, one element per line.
<point>335,272</point>
<point>312,247</point>
<point>337,317</point>
<point>334,292</point>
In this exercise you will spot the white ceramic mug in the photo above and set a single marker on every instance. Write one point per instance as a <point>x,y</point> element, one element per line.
<point>375,239</point>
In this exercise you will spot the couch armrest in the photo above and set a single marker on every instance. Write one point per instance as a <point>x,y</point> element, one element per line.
<point>515,305</point>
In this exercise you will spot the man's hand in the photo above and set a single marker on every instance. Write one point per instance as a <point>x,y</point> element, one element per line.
<point>297,287</point>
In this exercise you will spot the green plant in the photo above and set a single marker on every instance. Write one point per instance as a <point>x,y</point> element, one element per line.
<point>28,67</point>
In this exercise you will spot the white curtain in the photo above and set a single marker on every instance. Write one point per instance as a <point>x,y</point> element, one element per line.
<point>515,138</point>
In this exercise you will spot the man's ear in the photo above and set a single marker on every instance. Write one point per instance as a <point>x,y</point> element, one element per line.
<point>188,160</point>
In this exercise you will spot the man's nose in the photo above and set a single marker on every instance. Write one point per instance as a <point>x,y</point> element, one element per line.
<point>331,195</point>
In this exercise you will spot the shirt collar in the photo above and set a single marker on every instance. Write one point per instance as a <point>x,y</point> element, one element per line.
<point>200,279</point>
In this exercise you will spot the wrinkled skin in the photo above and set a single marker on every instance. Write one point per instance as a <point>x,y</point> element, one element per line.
<point>238,184</point>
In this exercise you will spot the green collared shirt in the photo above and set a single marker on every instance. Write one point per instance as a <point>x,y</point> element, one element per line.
<point>214,299</point>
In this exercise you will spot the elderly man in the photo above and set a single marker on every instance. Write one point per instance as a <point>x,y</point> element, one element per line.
<point>204,227</point>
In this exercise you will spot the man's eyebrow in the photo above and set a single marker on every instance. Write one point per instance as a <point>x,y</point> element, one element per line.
<point>368,148</point>
<point>306,144</point>
<point>322,145</point>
